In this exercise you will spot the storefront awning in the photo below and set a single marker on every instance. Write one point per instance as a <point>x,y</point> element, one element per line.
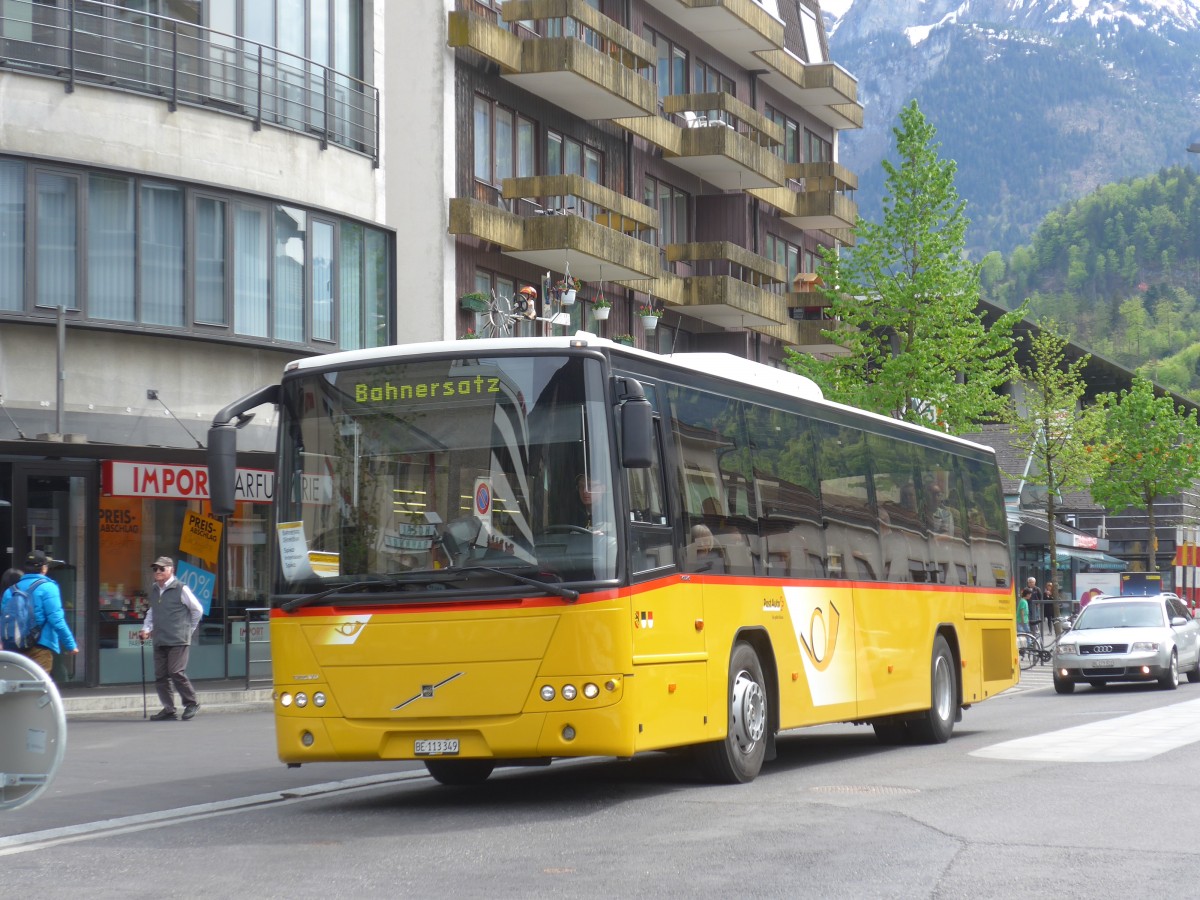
<point>1097,560</point>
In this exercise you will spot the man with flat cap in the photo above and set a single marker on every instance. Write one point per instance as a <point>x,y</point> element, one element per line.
<point>172,619</point>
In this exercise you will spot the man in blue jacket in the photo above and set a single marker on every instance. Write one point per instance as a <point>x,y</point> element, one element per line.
<point>48,612</point>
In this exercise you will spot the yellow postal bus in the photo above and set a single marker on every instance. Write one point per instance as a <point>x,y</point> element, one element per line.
<point>500,552</point>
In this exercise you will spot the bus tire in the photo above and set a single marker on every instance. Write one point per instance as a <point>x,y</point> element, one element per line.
<point>937,724</point>
<point>738,758</point>
<point>460,772</point>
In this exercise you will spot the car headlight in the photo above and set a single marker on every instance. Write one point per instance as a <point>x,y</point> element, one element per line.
<point>1060,647</point>
<point>1147,646</point>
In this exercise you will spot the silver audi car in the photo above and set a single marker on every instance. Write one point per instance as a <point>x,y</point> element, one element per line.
<point>1129,639</point>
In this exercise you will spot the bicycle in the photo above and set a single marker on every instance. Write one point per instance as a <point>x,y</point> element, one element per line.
<point>1030,650</point>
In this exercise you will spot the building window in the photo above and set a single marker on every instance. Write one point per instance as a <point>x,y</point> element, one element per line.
<point>164,254</point>
<point>707,80</point>
<point>672,206</point>
<point>787,255</point>
<point>670,72</point>
<point>816,148</point>
<point>811,31</point>
<point>504,144</point>
<point>789,150</point>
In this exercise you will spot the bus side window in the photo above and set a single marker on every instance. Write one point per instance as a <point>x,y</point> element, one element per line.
<point>651,536</point>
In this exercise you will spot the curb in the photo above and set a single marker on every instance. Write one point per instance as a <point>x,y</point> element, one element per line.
<point>131,704</point>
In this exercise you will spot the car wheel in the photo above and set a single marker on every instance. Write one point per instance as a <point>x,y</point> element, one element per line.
<point>1063,685</point>
<point>1170,678</point>
<point>1193,674</point>
<point>936,725</point>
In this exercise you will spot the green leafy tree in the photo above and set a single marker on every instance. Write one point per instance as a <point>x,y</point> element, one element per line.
<point>1148,450</point>
<point>1054,431</point>
<point>918,349</point>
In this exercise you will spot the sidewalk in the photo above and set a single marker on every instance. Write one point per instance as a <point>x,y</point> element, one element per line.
<point>126,699</point>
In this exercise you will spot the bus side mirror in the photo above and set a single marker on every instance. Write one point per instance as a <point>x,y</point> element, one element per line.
<point>222,468</point>
<point>637,427</point>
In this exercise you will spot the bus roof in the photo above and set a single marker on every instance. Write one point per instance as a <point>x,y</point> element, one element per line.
<point>724,365</point>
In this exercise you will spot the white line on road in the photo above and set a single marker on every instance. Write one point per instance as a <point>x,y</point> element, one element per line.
<point>1125,739</point>
<point>41,840</point>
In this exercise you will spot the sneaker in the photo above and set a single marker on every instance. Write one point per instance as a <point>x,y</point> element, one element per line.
<point>189,711</point>
<point>162,715</point>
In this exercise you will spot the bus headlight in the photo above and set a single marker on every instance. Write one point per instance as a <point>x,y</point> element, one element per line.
<point>569,692</point>
<point>547,693</point>
<point>319,698</point>
<point>285,699</point>
<point>301,700</point>
<point>591,691</point>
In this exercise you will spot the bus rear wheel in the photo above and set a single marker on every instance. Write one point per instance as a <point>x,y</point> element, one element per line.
<point>937,724</point>
<point>739,757</point>
<point>460,772</point>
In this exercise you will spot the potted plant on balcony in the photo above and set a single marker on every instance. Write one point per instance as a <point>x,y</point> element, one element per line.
<point>468,335</point>
<point>626,339</point>
<point>601,308</point>
<point>476,301</point>
<point>566,290</point>
<point>650,316</point>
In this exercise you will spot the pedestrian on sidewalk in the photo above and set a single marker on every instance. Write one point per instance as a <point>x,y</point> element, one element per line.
<point>171,620</point>
<point>54,633</point>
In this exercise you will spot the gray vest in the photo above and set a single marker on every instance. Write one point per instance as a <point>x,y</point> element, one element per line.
<point>172,619</point>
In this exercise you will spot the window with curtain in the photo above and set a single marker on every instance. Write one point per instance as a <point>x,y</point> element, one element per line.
<point>111,248</point>
<point>376,290</point>
<point>290,252</point>
<point>57,229</point>
<point>322,280</point>
<point>12,235</point>
<point>351,276</point>
<point>209,251</point>
<point>162,254</point>
<point>250,271</point>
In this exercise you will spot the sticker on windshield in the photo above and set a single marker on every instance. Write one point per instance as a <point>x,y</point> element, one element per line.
<point>293,551</point>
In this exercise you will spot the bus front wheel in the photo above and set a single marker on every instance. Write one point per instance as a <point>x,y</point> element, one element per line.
<point>459,772</point>
<point>936,725</point>
<point>739,757</point>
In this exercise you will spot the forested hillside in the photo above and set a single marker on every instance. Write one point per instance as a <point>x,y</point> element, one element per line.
<point>1120,269</point>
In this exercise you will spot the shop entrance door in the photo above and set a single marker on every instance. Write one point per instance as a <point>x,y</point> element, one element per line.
<point>54,510</point>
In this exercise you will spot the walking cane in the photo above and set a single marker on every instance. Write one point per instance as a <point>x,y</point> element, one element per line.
<point>142,641</point>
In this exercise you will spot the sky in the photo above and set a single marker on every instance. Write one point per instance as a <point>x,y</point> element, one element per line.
<point>836,7</point>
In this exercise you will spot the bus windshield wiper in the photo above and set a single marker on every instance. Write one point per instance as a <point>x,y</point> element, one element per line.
<point>565,593</point>
<point>437,575</point>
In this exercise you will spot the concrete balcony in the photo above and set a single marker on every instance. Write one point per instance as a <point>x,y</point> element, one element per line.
<point>729,286</point>
<point>717,138</point>
<point>584,62</point>
<point>561,221</point>
<point>737,29</point>
<point>819,210</point>
<point>826,90</point>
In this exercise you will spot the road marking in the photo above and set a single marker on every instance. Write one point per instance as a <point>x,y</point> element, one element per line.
<point>1129,738</point>
<point>42,840</point>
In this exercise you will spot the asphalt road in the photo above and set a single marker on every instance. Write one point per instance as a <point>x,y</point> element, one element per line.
<point>1025,799</point>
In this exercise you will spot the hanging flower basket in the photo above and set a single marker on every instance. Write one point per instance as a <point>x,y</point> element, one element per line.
<point>568,297</point>
<point>601,312</point>
<point>649,322</point>
<point>566,290</point>
<point>650,317</point>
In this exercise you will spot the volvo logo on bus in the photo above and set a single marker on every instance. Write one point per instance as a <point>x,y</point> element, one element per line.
<point>426,691</point>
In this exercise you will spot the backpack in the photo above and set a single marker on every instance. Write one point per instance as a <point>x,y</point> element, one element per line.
<point>18,626</point>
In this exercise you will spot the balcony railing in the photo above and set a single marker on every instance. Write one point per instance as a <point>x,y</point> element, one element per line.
<point>109,46</point>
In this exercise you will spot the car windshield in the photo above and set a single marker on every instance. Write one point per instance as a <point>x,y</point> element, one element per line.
<point>1131,614</point>
<point>453,465</point>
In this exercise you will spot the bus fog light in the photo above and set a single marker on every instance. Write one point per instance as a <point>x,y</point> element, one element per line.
<point>547,693</point>
<point>568,733</point>
<point>610,685</point>
<point>285,699</point>
<point>301,700</point>
<point>319,699</point>
<point>569,692</point>
<point>306,738</point>
<point>591,691</point>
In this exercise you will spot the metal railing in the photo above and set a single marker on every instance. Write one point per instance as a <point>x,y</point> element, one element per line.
<point>109,46</point>
<point>258,635</point>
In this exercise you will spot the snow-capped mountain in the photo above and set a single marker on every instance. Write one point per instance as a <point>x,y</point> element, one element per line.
<point>1038,101</point>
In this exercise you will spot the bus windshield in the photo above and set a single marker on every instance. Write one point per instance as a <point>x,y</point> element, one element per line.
<point>398,470</point>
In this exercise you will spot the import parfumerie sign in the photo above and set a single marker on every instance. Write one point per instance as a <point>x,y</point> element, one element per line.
<point>171,482</point>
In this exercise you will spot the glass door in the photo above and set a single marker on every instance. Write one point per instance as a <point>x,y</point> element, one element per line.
<point>53,507</point>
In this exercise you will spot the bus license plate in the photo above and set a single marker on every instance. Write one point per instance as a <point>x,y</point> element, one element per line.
<point>441,747</point>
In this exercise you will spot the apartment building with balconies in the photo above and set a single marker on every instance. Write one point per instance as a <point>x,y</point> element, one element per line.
<point>673,154</point>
